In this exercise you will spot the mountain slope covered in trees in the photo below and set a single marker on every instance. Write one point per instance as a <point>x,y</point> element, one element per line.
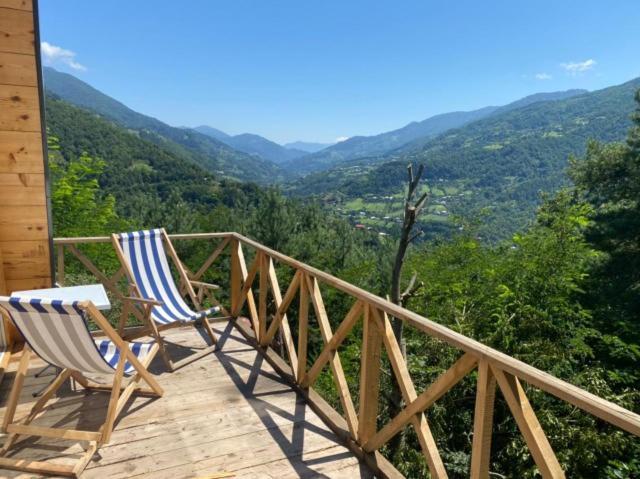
<point>213,155</point>
<point>139,174</point>
<point>499,165</point>
<point>414,132</point>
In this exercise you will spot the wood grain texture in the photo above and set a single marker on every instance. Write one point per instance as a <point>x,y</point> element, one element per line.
<point>483,422</point>
<point>369,377</point>
<point>18,69</point>
<point>21,152</point>
<point>16,31</point>
<point>229,412</point>
<point>26,5</point>
<point>24,259</point>
<point>24,223</point>
<point>27,223</point>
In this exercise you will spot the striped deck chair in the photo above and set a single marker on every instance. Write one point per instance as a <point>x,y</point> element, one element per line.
<point>57,331</point>
<point>144,260</point>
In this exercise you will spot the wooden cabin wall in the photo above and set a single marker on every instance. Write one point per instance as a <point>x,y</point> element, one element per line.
<point>25,248</point>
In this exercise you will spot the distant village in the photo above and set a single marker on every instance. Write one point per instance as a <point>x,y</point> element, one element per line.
<point>384,213</point>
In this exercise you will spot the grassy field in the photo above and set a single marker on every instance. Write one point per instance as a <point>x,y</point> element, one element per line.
<point>384,213</point>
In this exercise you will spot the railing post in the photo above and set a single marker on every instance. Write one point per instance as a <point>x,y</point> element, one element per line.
<point>236,277</point>
<point>369,377</point>
<point>303,329</point>
<point>262,298</point>
<point>60,272</point>
<point>483,422</point>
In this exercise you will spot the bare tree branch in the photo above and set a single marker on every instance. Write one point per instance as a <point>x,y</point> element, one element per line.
<point>407,236</point>
<point>415,236</point>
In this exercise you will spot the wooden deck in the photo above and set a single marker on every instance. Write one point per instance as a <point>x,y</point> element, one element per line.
<point>227,412</point>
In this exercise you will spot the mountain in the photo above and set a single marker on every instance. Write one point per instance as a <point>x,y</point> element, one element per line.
<point>306,146</point>
<point>140,174</point>
<point>255,145</point>
<point>497,165</point>
<point>419,132</point>
<point>211,154</point>
<point>212,132</point>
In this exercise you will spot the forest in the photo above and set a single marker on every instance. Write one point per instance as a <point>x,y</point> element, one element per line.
<point>562,294</point>
<point>505,160</point>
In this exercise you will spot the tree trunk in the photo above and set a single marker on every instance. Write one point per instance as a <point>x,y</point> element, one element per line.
<point>411,212</point>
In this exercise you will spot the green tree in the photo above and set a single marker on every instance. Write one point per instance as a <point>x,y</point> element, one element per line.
<point>608,178</point>
<point>79,206</point>
<point>524,298</point>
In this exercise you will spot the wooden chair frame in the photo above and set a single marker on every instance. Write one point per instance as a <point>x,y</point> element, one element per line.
<point>121,390</point>
<point>141,307</point>
<point>6,357</point>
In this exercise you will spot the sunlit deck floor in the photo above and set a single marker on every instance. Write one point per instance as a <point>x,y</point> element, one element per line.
<point>227,412</point>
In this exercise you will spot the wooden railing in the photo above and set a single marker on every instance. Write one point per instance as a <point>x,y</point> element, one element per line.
<point>359,426</point>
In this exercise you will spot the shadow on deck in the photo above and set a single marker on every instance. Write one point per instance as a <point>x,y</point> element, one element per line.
<point>228,412</point>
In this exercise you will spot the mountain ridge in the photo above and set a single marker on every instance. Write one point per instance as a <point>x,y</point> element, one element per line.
<point>308,146</point>
<point>253,144</point>
<point>212,154</point>
<point>416,131</point>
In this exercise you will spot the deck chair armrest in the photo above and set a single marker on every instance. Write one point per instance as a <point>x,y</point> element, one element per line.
<point>204,285</point>
<point>142,300</point>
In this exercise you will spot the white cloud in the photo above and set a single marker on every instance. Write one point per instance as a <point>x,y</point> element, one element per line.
<point>543,76</point>
<point>575,68</point>
<point>52,55</point>
<point>341,138</point>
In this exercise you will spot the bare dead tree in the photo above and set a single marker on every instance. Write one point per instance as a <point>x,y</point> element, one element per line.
<point>412,210</point>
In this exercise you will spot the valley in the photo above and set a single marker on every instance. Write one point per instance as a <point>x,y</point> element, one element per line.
<point>486,168</point>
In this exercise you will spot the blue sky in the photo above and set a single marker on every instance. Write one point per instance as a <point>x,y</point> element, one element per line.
<point>320,70</point>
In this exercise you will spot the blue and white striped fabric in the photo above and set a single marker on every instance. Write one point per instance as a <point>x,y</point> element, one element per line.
<point>145,253</point>
<point>57,332</point>
<point>111,354</point>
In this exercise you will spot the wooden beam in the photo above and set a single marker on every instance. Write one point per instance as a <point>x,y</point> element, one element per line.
<point>280,318</point>
<point>96,272</point>
<point>336,340</point>
<point>435,391</point>
<point>336,366</point>
<point>380,466</point>
<point>369,378</point>
<point>245,285</point>
<point>606,410</point>
<point>483,422</point>
<point>281,304</point>
<point>262,297</point>
<point>529,425</point>
<point>303,329</point>
<point>60,263</point>
<point>57,433</point>
<point>37,467</point>
<point>409,394</point>
<point>237,258</point>
<point>210,260</point>
<point>235,280</point>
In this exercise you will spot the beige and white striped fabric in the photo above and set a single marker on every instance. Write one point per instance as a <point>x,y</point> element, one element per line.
<point>57,332</point>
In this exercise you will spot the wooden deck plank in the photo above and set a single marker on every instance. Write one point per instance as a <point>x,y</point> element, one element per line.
<point>229,411</point>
